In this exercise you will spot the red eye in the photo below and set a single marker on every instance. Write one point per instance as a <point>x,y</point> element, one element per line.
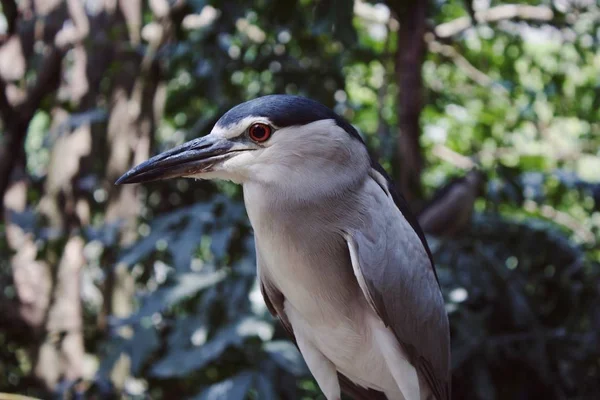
<point>259,132</point>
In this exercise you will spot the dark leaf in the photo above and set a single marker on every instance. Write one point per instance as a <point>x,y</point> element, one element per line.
<point>182,361</point>
<point>183,287</point>
<point>287,356</point>
<point>234,388</point>
<point>264,388</point>
<point>144,342</point>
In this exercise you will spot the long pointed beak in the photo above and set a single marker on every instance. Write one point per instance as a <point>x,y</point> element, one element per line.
<point>191,158</point>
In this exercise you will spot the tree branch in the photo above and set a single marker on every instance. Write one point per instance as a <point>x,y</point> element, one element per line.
<point>47,82</point>
<point>463,64</point>
<point>16,119</point>
<point>495,14</point>
<point>450,156</point>
<point>11,12</point>
<point>6,109</point>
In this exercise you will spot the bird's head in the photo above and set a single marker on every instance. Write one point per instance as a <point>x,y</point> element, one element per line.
<point>274,140</point>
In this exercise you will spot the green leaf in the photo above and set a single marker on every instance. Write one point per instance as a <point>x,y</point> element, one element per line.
<point>183,287</point>
<point>145,341</point>
<point>182,361</point>
<point>336,16</point>
<point>264,388</point>
<point>234,388</point>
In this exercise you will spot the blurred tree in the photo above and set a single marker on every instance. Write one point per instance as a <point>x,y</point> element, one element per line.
<point>150,291</point>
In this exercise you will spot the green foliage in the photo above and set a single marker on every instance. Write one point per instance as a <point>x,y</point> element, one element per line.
<point>520,307</point>
<point>521,285</point>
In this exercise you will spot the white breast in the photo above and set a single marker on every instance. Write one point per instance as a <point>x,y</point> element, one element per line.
<point>308,261</point>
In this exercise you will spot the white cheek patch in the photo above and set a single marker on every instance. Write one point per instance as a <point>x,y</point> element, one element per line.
<point>235,130</point>
<point>240,160</point>
<point>233,169</point>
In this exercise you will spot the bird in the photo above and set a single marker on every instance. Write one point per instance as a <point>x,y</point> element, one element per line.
<point>341,260</point>
<point>449,212</point>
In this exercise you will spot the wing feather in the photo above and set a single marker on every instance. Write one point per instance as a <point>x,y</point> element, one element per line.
<point>395,271</point>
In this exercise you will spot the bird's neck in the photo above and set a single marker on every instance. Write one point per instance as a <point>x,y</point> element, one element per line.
<point>297,206</point>
<point>291,196</point>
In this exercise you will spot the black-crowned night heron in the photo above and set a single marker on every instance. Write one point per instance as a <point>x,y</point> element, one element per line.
<point>341,260</point>
<point>450,210</point>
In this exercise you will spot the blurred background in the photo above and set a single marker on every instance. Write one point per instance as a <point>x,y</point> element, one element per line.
<point>486,113</point>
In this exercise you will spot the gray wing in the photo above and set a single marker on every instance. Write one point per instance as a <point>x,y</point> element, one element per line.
<point>274,300</point>
<point>397,276</point>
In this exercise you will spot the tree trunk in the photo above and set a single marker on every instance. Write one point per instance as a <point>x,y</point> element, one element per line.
<point>48,292</point>
<point>60,353</point>
<point>136,106</point>
<point>410,54</point>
